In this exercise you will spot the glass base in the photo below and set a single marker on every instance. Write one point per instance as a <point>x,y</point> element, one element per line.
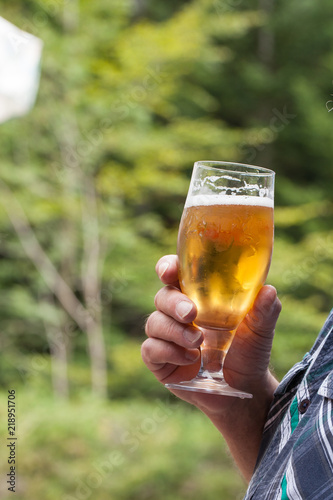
<point>210,386</point>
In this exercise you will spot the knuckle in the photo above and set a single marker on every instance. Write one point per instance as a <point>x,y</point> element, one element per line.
<point>159,325</point>
<point>158,296</point>
<point>170,330</point>
<point>146,350</point>
<point>150,323</point>
<point>164,298</point>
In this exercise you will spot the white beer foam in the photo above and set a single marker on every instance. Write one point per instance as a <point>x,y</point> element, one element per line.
<point>223,199</point>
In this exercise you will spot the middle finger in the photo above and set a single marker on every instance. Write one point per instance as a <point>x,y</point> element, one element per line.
<point>163,327</point>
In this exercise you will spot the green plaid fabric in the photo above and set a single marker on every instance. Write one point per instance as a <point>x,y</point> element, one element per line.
<point>296,456</point>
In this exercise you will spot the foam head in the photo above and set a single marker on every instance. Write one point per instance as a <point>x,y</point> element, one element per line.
<point>223,199</point>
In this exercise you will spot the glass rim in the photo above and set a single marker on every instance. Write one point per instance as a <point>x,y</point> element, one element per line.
<point>218,165</point>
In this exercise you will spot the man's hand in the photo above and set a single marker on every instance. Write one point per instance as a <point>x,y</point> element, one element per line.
<point>172,349</point>
<point>172,353</point>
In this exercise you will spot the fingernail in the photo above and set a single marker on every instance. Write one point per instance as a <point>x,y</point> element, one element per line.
<point>192,354</point>
<point>162,268</point>
<point>184,308</point>
<point>192,335</point>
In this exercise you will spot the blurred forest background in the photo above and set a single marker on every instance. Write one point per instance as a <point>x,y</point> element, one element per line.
<point>92,186</point>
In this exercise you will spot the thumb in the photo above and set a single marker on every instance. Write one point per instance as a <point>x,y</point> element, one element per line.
<point>262,317</point>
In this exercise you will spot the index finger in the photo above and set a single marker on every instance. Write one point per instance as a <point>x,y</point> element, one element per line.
<point>167,270</point>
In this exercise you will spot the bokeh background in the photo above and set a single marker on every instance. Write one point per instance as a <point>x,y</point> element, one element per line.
<point>92,186</point>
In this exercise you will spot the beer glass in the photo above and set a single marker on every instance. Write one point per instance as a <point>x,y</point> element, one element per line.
<point>225,244</point>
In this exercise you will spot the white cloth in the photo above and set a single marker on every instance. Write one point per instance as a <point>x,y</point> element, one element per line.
<point>20,55</point>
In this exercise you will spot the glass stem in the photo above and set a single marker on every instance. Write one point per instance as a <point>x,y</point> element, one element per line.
<point>213,352</point>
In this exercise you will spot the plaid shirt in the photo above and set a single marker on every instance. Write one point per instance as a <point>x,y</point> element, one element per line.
<point>296,456</point>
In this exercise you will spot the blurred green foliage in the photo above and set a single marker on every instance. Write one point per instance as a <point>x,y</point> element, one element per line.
<point>132,93</point>
<point>131,449</point>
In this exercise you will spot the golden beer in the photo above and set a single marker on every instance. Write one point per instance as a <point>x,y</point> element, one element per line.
<point>224,248</point>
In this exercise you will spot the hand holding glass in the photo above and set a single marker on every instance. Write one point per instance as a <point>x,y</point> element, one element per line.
<point>225,244</point>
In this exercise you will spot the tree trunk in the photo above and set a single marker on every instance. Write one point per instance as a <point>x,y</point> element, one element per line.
<point>91,286</point>
<point>91,259</point>
<point>58,355</point>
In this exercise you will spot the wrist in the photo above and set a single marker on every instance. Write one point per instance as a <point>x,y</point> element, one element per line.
<point>241,421</point>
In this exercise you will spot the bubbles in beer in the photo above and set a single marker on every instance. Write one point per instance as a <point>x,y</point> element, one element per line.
<point>224,247</point>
